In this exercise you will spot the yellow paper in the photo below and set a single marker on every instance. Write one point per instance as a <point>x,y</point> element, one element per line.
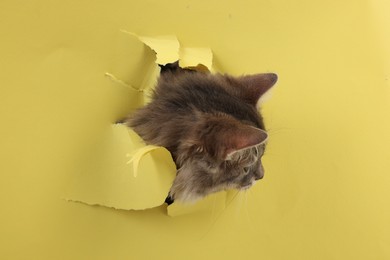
<point>196,58</point>
<point>133,63</point>
<point>115,183</point>
<point>214,204</point>
<point>147,182</point>
<point>325,193</point>
<point>166,47</point>
<point>137,156</point>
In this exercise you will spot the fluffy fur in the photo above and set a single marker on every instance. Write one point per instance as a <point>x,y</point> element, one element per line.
<point>210,124</point>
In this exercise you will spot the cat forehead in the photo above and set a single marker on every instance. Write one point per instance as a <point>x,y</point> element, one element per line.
<point>249,153</point>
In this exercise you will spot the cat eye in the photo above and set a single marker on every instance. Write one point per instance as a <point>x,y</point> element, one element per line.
<point>246,170</point>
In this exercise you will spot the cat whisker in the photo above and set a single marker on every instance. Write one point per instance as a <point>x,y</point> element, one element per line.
<point>213,210</point>
<point>234,197</point>
<point>278,129</point>
<point>218,214</point>
<point>246,209</point>
<point>238,205</point>
<point>278,132</point>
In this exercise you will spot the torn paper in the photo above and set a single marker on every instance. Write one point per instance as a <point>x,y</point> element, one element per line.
<point>118,184</point>
<point>200,59</point>
<point>213,203</point>
<point>127,173</point>
<point>133,64</point>
<point>166,47</point>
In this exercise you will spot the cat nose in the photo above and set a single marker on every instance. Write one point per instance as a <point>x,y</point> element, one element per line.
<point>259,176</point>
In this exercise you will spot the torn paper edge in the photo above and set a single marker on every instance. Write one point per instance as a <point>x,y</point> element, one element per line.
<point>187,57</point>
<point>136,157</point>
<point>120,82</point>
<point>159,45</point>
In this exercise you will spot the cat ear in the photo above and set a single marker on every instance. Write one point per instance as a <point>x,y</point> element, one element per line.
<point>222,136</point>
<point>256,85</point>
<point>242,138</point>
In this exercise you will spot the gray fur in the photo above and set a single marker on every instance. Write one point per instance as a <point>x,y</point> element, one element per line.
<point>210,124</point>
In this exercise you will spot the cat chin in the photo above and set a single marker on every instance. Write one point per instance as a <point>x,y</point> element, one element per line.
<point>246,187</point>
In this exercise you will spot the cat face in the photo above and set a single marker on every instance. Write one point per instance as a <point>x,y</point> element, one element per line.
<point>211,126</point>
<point>219,153</point>
<point>201,176</point>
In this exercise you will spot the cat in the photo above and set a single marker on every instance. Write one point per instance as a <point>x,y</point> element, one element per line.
<point>211,126</point>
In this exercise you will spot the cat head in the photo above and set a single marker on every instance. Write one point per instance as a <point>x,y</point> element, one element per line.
<point>222,150</point>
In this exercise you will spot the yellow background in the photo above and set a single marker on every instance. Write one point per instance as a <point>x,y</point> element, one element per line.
<point>326,190</point>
